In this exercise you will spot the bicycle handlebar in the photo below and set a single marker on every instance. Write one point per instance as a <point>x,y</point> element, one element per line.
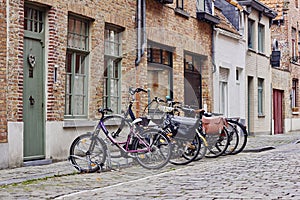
<point>137,90</point>
<point>104,111</point>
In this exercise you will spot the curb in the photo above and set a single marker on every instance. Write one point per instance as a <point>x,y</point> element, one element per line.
<point>257,150</point>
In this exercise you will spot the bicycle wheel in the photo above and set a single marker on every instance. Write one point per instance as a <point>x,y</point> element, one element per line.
<point>203,148</point>
<point>184,151</point>
<point>119,127</point>
<point>87,153</point>
<point>233,139</point>
<point>160,149</point>
<point>217,144</point>
<point>242,134</point>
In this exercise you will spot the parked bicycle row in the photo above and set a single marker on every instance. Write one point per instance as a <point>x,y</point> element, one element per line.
<point>166,132</point>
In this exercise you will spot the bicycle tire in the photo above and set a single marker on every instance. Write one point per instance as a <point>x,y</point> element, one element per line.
<point>243,136</point>
<point>233,139</point>
<point>86,161</point>
<point>217,144</point>
<point>184,151</point>
<point>160,152</point>
<point>119,128</point>
<point>203,148</point>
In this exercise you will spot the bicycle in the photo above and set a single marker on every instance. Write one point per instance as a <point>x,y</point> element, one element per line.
<point>216,139</point>
<point>120,124</point>
<point>186,143</point>
<point>150,148</point>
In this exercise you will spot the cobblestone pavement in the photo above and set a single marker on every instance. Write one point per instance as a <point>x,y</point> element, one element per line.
<point>255,174</point>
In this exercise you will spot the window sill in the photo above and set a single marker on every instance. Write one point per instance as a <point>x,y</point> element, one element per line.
<point>252,50</point>
<point>78,123</point>
<point>261,116</point>
<point>295,113</point>
<point>262,53</point>
<point>182,13</point>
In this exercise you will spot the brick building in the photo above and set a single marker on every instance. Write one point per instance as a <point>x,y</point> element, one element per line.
<point>64,59</point>
<point>286,74</point>
<point>255,28</point>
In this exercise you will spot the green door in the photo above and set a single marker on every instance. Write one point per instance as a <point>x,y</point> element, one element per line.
<point>33,91</point>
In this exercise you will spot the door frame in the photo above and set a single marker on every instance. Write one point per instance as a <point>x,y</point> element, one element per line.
<point>278,96</point>
<point>41,38</point>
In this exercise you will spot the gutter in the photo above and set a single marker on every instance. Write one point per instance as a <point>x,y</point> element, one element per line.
<point>141,30</point>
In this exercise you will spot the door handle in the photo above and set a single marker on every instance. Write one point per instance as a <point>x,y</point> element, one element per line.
<point>31,100</point>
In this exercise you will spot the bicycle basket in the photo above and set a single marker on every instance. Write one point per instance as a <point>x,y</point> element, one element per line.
<point>145,121</point>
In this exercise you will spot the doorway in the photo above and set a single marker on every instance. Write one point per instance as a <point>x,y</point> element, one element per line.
<point>33,80</point>
<point>277,111</point>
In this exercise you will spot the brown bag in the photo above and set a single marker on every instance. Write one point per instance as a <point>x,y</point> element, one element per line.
<point>213,125</point>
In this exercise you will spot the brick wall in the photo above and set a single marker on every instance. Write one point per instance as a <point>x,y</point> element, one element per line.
<point>3,80</point>
<point>120,14</point>
<point>15,61</point>
<point>180,32</point>
<point>185,34</point>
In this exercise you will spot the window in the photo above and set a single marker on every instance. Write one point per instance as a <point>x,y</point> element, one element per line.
<point>223,98</point>
<point>251,34</point>
<point>33,20</point>
<point>76,67</point>
<point>237,75</point>
<point>260,96</point>
<point>205,5</point>
<point>112,63</point>
<point>179,4</point>
<point>160,72</point>
<point>261,38</point>
<point>223,90</point>
<point>294,93</point>
<point>294,55</point>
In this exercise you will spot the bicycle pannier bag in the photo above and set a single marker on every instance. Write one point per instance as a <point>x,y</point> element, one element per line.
<point>187,126</point>
<point>212,125</point>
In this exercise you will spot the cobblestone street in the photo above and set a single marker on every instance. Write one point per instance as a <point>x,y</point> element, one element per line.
<point>272,174</point>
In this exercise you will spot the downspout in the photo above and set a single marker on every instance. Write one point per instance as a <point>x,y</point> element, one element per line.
<point>141,30</point>
<point>213,49</point>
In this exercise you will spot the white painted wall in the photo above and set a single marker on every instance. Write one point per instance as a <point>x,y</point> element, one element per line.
<point>230,54</point>
<point>59,139</point>
<point>15,145</point>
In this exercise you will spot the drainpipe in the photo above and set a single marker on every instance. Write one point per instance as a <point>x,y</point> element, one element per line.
<point>213,49</point>
<point>141,30</point>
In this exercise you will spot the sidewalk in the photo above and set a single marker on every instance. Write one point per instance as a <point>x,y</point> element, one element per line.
<point>17,175</point>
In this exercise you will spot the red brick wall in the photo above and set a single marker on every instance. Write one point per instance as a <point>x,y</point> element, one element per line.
<point>121,13</point>
<point>3,80</point>
<point>185,34</point>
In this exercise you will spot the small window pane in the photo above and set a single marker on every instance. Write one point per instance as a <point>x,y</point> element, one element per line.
<point>180,4</point>
<point>261,37</point>
<point>250,34</point>
<point>156,55</point>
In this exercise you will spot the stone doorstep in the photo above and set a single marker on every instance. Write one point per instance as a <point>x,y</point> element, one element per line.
<point>37,162</point>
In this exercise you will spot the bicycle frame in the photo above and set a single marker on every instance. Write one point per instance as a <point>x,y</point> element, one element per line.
<point>131,135</point>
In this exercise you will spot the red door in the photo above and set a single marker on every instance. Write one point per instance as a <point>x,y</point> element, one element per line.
<point>277,111</point>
